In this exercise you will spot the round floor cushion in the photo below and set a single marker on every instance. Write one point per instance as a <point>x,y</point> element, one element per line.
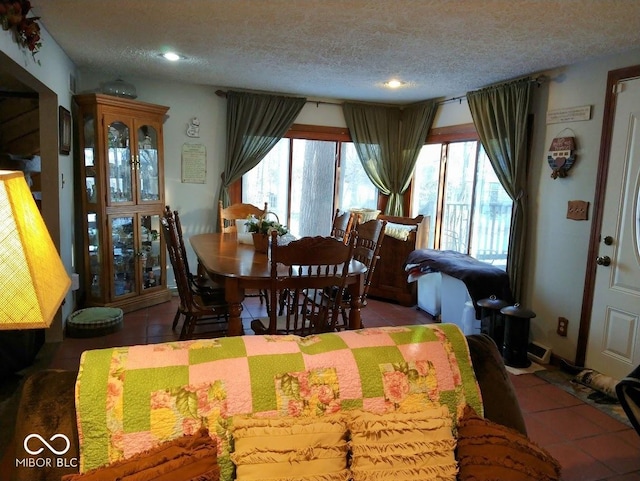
<point>94,321</point>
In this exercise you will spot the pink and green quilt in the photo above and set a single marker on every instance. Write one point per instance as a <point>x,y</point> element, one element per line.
<point>130,399</point>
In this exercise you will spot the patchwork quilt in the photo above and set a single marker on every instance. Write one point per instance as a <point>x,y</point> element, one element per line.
<point>130,399</point>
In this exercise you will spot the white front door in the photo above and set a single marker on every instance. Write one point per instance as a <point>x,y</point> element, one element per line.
<point>614,336</point>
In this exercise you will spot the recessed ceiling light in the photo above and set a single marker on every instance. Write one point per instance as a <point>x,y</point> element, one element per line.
<point>173,57</point>
<point>394,84</point>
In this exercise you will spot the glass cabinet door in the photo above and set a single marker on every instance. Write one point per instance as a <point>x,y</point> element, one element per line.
<point>119,167</point>
<point>94,251</point>
<point>89,152</point>
<point>147,164</point>
<point>150,251</point>
<point>124,254</point>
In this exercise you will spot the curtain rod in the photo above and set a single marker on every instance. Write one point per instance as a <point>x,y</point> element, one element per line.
<point>222,93</point>
<point>539,80</point>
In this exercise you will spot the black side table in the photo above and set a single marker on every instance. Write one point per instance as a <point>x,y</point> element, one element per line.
<point>516,335</point>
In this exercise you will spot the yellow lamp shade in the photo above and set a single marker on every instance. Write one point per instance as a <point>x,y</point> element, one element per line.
<point>33,280</point>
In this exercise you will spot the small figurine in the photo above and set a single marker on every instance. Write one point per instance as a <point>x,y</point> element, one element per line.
<point>193,130</point>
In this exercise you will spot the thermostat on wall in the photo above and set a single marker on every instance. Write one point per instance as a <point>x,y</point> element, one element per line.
<point>539,353</point>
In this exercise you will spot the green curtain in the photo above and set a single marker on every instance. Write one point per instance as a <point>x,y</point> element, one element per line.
<point>255,124</point>
<point>388,140</point>
<point>500,116</point>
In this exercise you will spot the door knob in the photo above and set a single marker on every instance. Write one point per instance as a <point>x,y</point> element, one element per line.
<point>603,260</point>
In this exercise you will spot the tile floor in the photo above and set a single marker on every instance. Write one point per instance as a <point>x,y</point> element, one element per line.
<point>589,444</point>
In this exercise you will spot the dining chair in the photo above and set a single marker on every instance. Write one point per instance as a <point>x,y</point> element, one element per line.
<point>197,308</point>
<point>294,272</point>
<point>342,225</point>
<point>199,284</point>
<point>368,241</point>
<point>227,216</point>
<point>369,237</point>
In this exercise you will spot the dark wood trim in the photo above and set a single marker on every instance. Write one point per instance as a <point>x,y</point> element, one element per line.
<point>453,133</point>
<point>19,95</point>
<point>613,77</point>
<point>318,132</point>
<point>235,192</point>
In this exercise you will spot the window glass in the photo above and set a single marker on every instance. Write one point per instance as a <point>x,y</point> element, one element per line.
<point>475,216</point>
<point>492,216</point>
<point>302,192</point>
<point>269,181</point>
<point>313,176</point>
<point>355,188</point>
<point>458,194</point>
<point>425,186</point>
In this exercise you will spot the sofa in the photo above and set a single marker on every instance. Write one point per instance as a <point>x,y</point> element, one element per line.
<point>57,406</point>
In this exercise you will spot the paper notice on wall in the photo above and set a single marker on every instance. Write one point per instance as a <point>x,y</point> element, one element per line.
<point>194,164</point>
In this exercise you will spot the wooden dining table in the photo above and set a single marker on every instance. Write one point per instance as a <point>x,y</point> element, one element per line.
<point>238,267</point>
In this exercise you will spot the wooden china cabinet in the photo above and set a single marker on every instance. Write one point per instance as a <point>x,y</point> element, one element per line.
<point>120,185</point>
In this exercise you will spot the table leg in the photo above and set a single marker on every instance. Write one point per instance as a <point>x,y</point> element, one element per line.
<point>234,295</point>
<point>355,290</point>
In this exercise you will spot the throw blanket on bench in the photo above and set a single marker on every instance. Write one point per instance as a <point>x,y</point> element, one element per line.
<point>130,399</point>
<point>482,280</point>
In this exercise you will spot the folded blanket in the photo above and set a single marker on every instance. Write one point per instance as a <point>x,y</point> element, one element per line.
<point>482,280</point>
<point>130,399</point>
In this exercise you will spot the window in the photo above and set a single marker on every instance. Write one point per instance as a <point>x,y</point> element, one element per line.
<point>304,181</point>
<point>307,176</point>
<point>470,212</point>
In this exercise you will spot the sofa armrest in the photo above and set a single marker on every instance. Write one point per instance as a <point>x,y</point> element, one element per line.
<point>47,408</point>
<point>498,395</point>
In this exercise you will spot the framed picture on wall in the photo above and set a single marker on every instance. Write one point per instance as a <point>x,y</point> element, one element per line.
<point>64,130</point>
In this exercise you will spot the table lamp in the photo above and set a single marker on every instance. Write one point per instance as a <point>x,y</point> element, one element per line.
<point>33,280</point>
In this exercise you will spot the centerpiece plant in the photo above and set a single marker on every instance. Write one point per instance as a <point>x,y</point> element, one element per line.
<point>261,228</point>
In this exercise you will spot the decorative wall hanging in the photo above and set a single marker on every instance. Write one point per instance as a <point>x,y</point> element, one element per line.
<point>562,154</point>
<point>64,130</point>
<point>578,210</point>
<point>13,16</point>
<point>193,129</point>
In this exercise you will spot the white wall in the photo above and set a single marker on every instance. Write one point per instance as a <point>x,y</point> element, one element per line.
<point>558,246</point>
<point>50,77</point>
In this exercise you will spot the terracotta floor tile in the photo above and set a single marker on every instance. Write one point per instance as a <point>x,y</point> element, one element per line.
<point>612,451</point>
<point>625,477</point>
<point>155,330</point>
<point>541,432</point>
<point>631,437</point>
<point>543,397</point>
<point>526,380</point>
<point>568,423</point>
<point>578,465</point>
<point>608,423</point>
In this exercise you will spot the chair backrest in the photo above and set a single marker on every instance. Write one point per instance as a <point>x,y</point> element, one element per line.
<point>177,259</point>
<point>308,264</point>
<point>227,216</point>
<point>342,226</point>
<point>369,236</point>
<point>181,245</point>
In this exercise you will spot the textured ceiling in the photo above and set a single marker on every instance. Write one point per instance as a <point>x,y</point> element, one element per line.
<point>340,49</point>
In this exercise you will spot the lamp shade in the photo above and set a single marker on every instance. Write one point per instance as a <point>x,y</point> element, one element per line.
<point>33,280</point>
